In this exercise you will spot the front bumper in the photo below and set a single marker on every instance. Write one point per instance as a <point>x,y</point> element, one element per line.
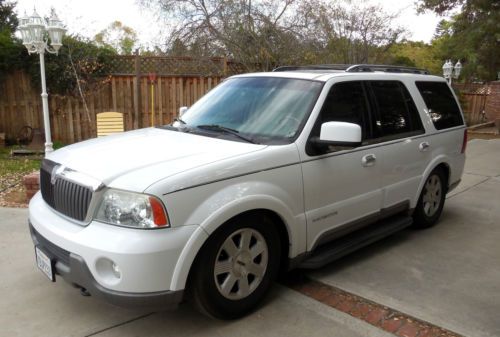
<point>73,269</point>
<point>148,260</point>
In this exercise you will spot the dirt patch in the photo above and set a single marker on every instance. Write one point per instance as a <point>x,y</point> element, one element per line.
<point>12,170</point>
<point>14,197</point>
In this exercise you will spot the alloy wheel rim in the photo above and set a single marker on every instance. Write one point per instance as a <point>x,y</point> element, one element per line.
<point>241,264</point>
<point>432,195</point>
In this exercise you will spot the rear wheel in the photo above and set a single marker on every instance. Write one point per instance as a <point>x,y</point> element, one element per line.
<point>431,201</point>
<point>236,267</point>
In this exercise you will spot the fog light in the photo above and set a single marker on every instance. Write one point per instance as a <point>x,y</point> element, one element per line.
<point>116,270</point>
<point>108,271</point>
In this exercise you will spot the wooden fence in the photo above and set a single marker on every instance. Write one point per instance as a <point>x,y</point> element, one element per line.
<point>20,103</point>
<point>473,99</point>
<point>474,108</point>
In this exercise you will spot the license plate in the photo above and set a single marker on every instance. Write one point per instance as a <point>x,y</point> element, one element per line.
<point>44,264</point>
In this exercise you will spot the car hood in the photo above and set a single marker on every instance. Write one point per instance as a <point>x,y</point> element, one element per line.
<point>154,153</point>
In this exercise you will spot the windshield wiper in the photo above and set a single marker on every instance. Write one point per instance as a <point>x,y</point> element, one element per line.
<point>220,128</point>
<point>178,119</point>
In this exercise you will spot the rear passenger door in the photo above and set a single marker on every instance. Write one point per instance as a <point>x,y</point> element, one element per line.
<point>398,128</point>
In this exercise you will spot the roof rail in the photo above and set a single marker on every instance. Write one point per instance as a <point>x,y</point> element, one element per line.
<point>386,68</point>
<point>356,68</point>
<point>314,67</point>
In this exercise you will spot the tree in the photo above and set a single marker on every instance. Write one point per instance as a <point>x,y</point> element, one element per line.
<point>78,60</point>
<point>472,35</point>
<point>13,54</point>
<point>260,34</point>
<point>117,36</point>
<point>415,54</point>
<point>263,34</point>
<point>8,19</point>
<point>178,48</point>
<point>354,33</point>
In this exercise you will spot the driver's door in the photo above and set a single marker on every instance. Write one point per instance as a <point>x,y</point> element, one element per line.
<point>342,186</point>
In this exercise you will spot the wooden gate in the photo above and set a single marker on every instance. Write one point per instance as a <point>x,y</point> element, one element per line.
<point>474,108</point>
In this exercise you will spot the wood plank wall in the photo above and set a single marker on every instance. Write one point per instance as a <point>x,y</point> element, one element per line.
<point>20,104</point>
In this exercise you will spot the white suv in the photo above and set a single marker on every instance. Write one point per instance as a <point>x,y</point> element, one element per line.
<point>268,171</point>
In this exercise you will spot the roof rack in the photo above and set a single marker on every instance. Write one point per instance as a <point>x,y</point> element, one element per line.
<point>314,67</point>
<point>357,68</point>
<point>386,68</point>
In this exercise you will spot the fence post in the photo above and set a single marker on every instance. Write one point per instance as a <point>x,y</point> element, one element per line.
<point>137,83</point>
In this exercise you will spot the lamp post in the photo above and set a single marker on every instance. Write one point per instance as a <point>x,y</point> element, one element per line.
<point>36,33</point>
<point>450,71</point>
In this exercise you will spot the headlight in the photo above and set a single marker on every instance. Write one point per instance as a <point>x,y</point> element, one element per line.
<point>132,210</point>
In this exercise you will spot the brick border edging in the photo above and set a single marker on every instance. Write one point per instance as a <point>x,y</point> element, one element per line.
<point>31,182</point>
<point>380,316</point>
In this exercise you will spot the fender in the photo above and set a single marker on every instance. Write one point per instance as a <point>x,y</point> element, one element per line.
<point>237,197</point>
<point>297,236</point>
<point>440,159</point>
<point>186,259</point>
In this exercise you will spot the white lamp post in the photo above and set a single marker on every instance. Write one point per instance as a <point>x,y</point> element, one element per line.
<point>36,33</point>
<point>450,71</point>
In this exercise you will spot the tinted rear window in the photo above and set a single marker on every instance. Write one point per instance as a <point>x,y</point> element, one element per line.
<point>397,112</point>
<point>442,106</point>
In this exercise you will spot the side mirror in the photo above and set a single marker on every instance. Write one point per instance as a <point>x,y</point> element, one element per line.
<point>182,110</point>
<point>339,134</point>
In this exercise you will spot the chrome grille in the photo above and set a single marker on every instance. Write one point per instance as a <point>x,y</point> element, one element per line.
<point>65,196</point>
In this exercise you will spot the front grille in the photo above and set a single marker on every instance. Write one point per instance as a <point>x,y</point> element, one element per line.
<point>65,196</point>
<point>48,247</point>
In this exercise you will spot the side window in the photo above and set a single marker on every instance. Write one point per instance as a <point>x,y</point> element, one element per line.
<point>397,113</point>
<point>442,106</point>
<point>345,103</point>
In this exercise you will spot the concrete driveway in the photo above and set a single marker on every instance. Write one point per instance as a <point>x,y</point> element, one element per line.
<point>33,306</point>
<point>448,275</point>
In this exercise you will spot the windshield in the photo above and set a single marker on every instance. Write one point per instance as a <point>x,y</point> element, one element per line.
<point>264,110</point>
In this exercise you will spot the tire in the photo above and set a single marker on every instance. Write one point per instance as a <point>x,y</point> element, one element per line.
<point>431,201</point>
<point>236,267</point>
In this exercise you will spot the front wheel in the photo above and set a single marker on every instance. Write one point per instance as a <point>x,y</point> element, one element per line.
<point>431,201</point>
<point>236,267</point>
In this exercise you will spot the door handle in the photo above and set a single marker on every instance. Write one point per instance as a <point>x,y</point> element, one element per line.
<point>424,146</point>
<point>368,160</point>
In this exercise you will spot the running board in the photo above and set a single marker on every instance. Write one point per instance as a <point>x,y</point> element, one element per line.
<point>355,240</point>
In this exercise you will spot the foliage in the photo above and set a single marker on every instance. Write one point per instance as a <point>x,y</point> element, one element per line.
<point>8,19</point>
<point>268,33</point>
<point>12,52</point>
<point>91,64</point>
<point>78,55</point>
<point>261,34</point>
<point>117,36</point>
<point>57,144</point>
<point>415,54</point>
<point>472,35</point>
<point>352,33</point>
